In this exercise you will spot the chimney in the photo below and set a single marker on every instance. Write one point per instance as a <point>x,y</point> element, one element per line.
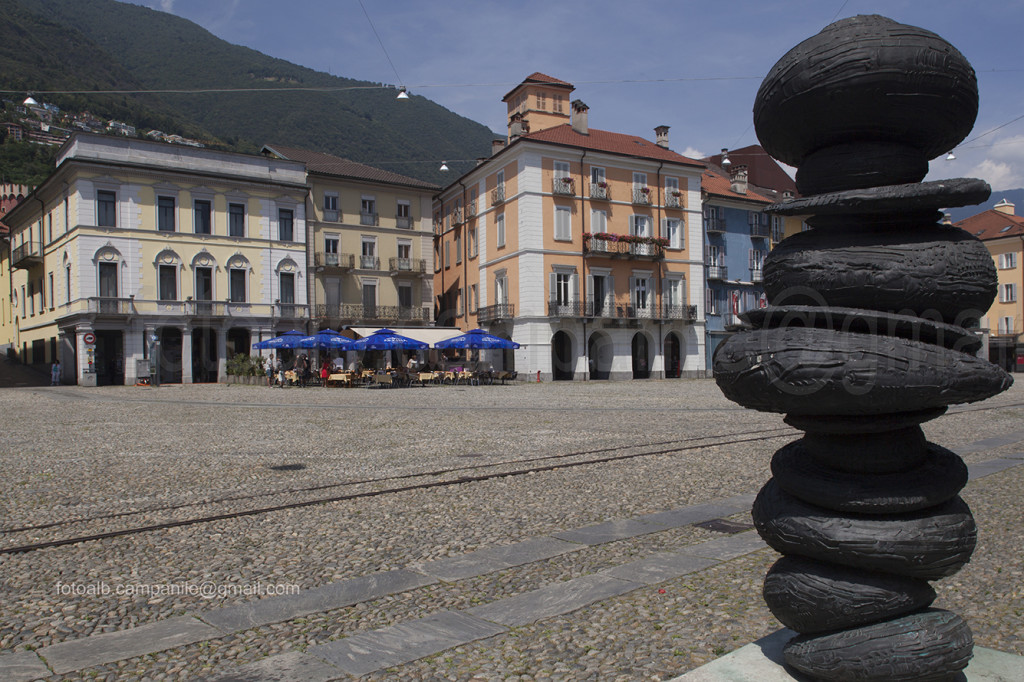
<point>947,219</point>
<point>497,146</point>
<point>579,117</point>
<point>517,127</point>
<point>739,179</point>
<point>1006,207</point>
<point>661,136</point>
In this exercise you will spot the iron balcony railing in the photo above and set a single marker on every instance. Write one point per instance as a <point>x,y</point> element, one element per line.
<point>687,313</point>
<point>718,272</point>
<point>672,200</point>
<point>333,260</point>
<point>759,231</point>
<point>714,225</point>
<point>563,186</point>
<point>457,216</point>
<point>26,255</point>
<point>471,209</point>
<point>756,275</point>
<point>642,196</point>
<point>600,191</point>
<point>369,263</point>
<point>498,195</point>
<point>494,313</point>
<point>620,308</point>
<point>371,219</point>
<point>403,221</point>
<point>618,249</point>
<point>414,265</point>
<point>332,216</point>
<point>375,313</point>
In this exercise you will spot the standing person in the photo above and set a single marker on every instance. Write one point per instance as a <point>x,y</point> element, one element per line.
<point>55,373</point>
<point>325,371</point>
<point>270,370</point>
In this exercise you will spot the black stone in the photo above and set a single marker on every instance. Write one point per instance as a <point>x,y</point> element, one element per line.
<point>936,480</point>
<point>930,646</point>
<point>813,596</point>
<point>928,544</point>
<point>913,198</point>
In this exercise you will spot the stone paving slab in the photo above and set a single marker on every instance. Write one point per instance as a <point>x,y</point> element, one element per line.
<point>659,568</point>
<point>317,600</point>
<point>405,642</point>
<point>293,666</point>
<point>492,559</point>
<point>992,466</point>
<point>731,547</point>
<point>553,600</point>
<point>109,647</point>
<point>992,443</point>
<point>762,661</point>
<point>609,531</point>
<point>22,666</point>
<point>697,513</point>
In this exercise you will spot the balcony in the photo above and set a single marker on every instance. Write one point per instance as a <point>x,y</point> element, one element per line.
<point>471,209</point>
<point>343,261</point>
<point>371,219</point>
<point>376,314</point>
<point>756,275</point>
<point>100,306</point>
<point>332,216</point>
<point>457,216</point>
<point>574,308</point>
<point>369,263</point>
<point>26,255</point>
<point>498,195</point>
<point>411,265</point>
<point>642,196</point>
<point>403,222</point>
<point>714,225</point>
<point>687,313</point>
<point>673,200</point>
<point>600,190</point>
<point>495,313</point>
<point>622,249</point>
<point>563,186</point>
<point>717,272</point>
<point>759,231</point>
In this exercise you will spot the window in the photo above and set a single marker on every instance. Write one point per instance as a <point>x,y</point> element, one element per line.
<point>640,225</point>
<point>331,206</point>
<point>403,215</point>
<point>639,180</point>
<point>49,226</point>
<point>673,233</point>
<point>1005,325</point>
<point>236,220</point>
<point>474,298</point>
<point>368,258</point>
<point>236,280</point>
<point>472,242</point>
<point>106,208</point>
<point>596,175</point>
<point>458,249</point>
<point>499,228</point>
<point>108,280</point>
<point>1007,261</point>
<point>67,284</point>
<point>459,312</point>
<point>168,283</point>
<point>368,211</point>
<point>404,295</point>
<point>778,228</point>
<point>561,169</point>
<point>287,287</point>
<point>52,299</point>
<point>563,287</point>
<point>711,303</point>
<point>1007,293</point>
<point>500,180</point>
<point>31,299</point>
<point>563,225</point>
<point>23,299</point>
<point>447,254</point>
<point>673,293</point>
<point>165,214</point>
<point>404,254</point>
<point>641,299</point>
<point>331,242</point>
<point>285,225</point>
<point>716,255</point>
<point>202,211</point>
<point>671,186</point>
<point>500,288</point>
<point>204,283</point>
<point>598,221</point>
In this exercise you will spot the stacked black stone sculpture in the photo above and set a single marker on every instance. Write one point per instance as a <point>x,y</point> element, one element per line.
<point>866,337</point>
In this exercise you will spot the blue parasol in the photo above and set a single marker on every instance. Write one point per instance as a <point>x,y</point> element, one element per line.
<point>476,338</point>
<point>385,339</point>
<point>289,339</point>
<point>327,339</point>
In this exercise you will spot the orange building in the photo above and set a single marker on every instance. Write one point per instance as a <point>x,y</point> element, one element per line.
<point>583,245</point>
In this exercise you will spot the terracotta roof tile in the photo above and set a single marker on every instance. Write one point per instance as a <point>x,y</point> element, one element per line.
<point>763,170</point>
<point>993,224</point>
<point>614,143</point>
<point>538,77</point>
<point>318,162</point>
<point>720,186</point>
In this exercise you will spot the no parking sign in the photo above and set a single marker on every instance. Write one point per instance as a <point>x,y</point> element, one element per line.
<point>88,338</point>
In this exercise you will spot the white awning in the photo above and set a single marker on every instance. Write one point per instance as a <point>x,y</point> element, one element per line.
<point>428,335</point>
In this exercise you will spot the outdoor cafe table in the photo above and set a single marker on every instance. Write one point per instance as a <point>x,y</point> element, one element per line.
<point>341,378</point>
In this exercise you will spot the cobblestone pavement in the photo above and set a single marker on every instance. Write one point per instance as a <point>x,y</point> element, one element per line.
<point>79,461</point>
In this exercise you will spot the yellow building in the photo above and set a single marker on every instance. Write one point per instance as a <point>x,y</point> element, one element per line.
<point>1002,231</point>
<point>10,195</point>
<point>370,242</point>
<point>582,245</point>
<point>135,252</point>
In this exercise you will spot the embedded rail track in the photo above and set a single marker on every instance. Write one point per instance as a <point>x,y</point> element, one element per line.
<point>446,477</point>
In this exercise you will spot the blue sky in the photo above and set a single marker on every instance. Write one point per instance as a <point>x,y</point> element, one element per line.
<point>692,65</point>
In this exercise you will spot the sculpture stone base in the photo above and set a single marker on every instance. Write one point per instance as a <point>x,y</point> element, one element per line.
<point>763,661</point>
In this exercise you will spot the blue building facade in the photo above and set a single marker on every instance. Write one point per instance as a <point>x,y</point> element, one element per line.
<point>737,238</point>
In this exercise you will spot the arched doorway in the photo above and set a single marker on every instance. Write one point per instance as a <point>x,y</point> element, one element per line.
<point>170,355</point>
<point>109,358</point>
<point>673,356</point>
<point>563,360</point>
<point>599,354</point>
<point>641,357</point>
<point>204,355</point>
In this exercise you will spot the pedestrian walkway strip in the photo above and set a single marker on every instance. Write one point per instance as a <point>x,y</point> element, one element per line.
<point>437,632</point>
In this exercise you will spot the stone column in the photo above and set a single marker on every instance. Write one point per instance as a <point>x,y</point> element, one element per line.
<point>186,354</point>
<point>222,351</point>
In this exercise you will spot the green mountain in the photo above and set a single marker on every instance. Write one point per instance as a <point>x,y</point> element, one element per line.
<point>159,51</point>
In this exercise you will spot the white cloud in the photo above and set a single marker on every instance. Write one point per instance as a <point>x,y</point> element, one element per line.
<point>692,153</point>
<point>999,174</point>
<point>167,6</point>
